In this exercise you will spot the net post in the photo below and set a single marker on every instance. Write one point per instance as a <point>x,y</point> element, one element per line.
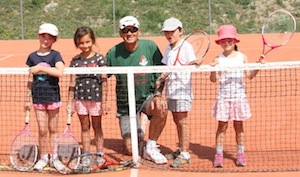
<point>133,116</point>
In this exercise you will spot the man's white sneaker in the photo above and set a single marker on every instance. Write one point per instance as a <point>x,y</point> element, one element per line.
<point>153,154</point>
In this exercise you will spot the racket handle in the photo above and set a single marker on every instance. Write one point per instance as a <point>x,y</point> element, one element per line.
<point>261,59</point>
<point>27,115</point>
<point>69,116</point>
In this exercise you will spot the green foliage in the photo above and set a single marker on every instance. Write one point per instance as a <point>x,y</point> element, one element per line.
<point>103,16</point>
<point>280,3</point>
<point>243,2</point>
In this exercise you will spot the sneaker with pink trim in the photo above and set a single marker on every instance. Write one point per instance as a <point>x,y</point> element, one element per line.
<point>218,161</point>
<point>241,159</point>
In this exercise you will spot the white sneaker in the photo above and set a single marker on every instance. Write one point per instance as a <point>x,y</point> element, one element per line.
<point>153,154</point>
<point>59,166</point>
<point>41,164</point>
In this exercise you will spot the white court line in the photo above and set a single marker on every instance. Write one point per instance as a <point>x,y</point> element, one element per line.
<point>134,172</point>
<point>6,57</point>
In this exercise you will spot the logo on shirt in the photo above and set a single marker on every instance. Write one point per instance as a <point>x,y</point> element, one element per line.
<point>143,60</point>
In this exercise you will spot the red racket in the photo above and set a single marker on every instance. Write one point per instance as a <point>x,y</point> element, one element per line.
<point>66,150</point>
<point>278,29</point>
<point>112,164</point>
<point>200,42</point>
<point>197,41</point>
<point>24,150</point>
<point>108,165</point>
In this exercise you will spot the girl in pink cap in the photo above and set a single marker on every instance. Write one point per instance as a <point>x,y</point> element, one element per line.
<point>231,103</point>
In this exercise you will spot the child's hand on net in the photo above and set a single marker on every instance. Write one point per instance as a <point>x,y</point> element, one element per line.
<point>214,62</point>
<point>197,62</point>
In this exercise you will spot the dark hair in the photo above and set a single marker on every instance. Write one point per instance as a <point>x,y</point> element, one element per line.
<point>235,47</point>
<point>82,31</point>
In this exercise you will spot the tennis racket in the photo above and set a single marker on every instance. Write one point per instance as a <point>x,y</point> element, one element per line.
<point>66,153</point>
<point>24,150</point>
<point>277,30</point>
<point>200,42</point>
<point>108,165</point>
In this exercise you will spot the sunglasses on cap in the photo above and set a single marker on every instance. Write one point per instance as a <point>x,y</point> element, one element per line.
<point>132,30</point>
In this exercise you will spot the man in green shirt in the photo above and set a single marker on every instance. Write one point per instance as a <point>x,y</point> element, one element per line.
<point>138,52</point>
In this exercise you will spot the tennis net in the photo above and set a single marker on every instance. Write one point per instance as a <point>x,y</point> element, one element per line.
<point>271,133</point>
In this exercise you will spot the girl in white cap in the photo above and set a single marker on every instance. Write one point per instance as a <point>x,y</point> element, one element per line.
<point>46,67</point>
<point>231,103</point>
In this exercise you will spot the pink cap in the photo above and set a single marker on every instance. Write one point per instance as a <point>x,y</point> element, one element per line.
<point>227,31</point>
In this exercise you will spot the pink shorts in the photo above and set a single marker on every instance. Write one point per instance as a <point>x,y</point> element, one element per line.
<point>51,106</point>
<point>226,110</point>
<point>92,108</point>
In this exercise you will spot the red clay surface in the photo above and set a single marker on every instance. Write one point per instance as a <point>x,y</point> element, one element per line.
<point>14,54</point>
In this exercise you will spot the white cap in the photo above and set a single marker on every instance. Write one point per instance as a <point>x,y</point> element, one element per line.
<point>171,24</point>
<point>49,29</point>
<point>129,21</point>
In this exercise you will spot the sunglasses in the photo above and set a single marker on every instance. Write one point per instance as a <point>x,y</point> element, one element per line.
<point>227,40</point>
<point>132,30</point>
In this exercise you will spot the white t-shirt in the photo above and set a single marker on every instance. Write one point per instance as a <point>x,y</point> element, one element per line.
<point>179,84</point>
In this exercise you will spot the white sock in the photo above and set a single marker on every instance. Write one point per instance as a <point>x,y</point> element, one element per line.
<point>240,148</point>
<point>185,155</point>
<point>45,156</point>
<point>100,152</point>
<point>219,148</point>
<point>151,143</point>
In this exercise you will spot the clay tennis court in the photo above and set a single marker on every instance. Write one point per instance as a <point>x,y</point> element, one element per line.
<point>14,54</point>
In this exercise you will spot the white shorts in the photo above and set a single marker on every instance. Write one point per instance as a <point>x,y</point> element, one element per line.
<point>226,110</point>
<point>179,105</point>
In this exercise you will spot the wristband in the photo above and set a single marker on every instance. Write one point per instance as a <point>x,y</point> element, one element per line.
<point>157,93</point>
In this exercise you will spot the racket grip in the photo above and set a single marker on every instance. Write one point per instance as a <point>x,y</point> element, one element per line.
<point>69,116</point>
<point>261,59</point>
<point>27,115</point>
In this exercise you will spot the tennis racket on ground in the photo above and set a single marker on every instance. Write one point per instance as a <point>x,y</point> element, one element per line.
<point>24,150</point>
<point>277,30</point>
<point>66,151</point>
<point>108,165</point>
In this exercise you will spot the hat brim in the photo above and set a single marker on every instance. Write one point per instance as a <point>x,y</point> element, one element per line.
<point>169,29</point>
<point>237,40</point>
<point>47,32</point>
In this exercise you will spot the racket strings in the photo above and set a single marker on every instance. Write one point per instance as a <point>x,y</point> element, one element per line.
<point>200,43</point>
<point>68,151</point>
<point>279,28</point>
<point>24,152</point>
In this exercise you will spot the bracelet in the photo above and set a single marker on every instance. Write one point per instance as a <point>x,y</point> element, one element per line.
<point>157,93</point>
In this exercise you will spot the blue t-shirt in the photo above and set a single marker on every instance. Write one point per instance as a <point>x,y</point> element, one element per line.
<point>45,88</point>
